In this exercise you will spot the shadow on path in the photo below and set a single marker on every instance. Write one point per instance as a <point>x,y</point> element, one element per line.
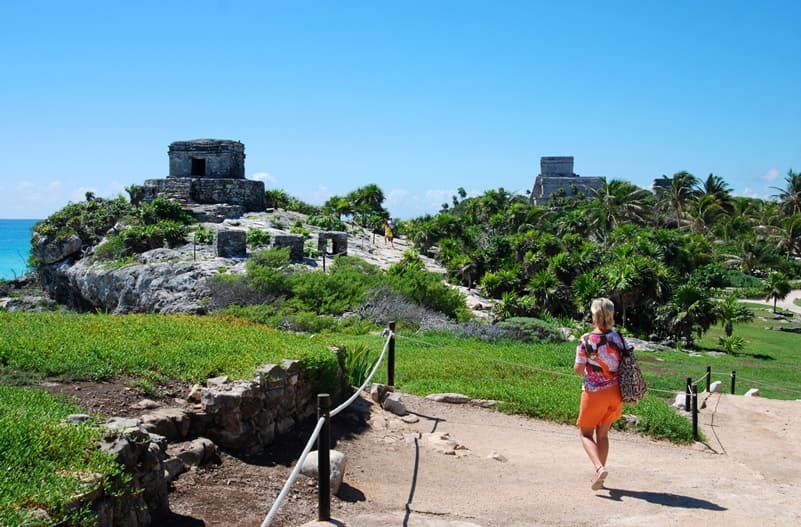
<point>663,498</point>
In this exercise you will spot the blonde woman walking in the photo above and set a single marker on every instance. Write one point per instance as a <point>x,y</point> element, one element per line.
<point>597,359</point>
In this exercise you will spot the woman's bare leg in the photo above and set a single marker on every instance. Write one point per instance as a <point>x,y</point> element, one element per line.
<point>602,443</point>
<point>591,447</point>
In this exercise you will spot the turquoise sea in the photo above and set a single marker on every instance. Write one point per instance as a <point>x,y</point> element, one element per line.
<point>15,246</point>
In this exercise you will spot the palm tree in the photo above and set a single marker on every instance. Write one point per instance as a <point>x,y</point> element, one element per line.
<point>790,197</point>
<point>720,192</point>
<point>777,288</point>
<point>614,203</point>
<point>787,236</point>
<point>678,194</point>
<point>730,311</point>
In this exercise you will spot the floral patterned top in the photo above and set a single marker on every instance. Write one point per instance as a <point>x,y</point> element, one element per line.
<point>599,351</point>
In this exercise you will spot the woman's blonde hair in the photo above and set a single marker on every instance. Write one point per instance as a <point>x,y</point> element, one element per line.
<point>603,313</point>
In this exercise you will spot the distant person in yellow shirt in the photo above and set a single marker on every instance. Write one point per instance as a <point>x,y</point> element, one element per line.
<point>389,235</point>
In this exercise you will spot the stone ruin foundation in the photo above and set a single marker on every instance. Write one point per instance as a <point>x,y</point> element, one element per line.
<point>206,172</point>
<point>339,242</point>
<point>294,242</point>
<point>164,442</point>
<point>230,243</point>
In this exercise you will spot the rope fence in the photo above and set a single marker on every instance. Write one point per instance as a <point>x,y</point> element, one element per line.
<point>321,432</point>
<point>322,435</point>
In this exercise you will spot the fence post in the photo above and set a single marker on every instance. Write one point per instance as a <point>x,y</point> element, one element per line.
<point>687,394</point>
<point>733,378</point>
<point>324,459</point>
<point>695,412</point>
<point>708,378</point>
<point>391,356</point>
<point>323,261</point>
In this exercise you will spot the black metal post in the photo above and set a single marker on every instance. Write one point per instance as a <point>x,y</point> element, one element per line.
<point>391,357</point>
<point>323,261</point>
<point>708,378</point>
<point>695,412</point>
<point>324,459</point>
<point>733,379</point>
<point>687,394</point>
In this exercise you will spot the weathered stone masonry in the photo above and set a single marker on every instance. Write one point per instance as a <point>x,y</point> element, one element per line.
<point>162,443</point>
<point>208,172</point>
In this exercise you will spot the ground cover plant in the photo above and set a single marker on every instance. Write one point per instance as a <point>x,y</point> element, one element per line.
<point>156,347</point>
<point>534,379</point>
<point>530,379</point>
<point>44,463</point>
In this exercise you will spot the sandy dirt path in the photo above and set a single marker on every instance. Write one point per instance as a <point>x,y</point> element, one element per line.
<point>512,471</point>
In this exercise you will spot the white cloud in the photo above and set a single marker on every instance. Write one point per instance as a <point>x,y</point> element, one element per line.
<point>29,199</point>
<point>771,175</point>
<point>266,177</point>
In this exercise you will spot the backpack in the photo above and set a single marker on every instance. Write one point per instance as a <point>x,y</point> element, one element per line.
<point>632,383</point>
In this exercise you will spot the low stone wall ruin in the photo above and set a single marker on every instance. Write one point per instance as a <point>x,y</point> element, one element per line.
<point>165,441</point>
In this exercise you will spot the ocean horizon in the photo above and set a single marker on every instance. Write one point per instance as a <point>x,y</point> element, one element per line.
<point>15,246</point>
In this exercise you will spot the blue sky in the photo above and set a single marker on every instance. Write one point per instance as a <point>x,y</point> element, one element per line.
<point>418,97</point>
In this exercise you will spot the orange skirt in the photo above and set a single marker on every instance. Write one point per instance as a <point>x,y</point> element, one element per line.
<point>603,407</point>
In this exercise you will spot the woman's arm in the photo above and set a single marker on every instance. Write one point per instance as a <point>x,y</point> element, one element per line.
<point>579,368</point>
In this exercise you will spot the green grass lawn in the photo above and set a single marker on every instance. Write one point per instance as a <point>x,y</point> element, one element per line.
<point>44,463</point>
<point>530,379</point>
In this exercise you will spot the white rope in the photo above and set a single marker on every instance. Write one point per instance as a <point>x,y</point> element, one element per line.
<point>353,397</point>
<point>700,379</point>
<point>280,499</point>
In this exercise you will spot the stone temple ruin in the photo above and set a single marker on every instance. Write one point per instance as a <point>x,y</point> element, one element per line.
<point>208,177</point>
<point>557,179</point>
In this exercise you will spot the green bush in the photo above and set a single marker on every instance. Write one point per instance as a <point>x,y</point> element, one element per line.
<point>327,222</point>
<point>89,220</point>
<point>257,237</point>
<point>741,280</point>
<point>113,248</point>
<point>174,233</point>
<point>203,235</point>
<point>164,209</point>
<point>274,258</point>
<point>276,199</point>
<point>410,277</point>
<point>357,363</point>
<point>535,330</point>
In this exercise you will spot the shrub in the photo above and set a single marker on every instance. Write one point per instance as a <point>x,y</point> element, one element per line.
<point>89,220</point>
<point>274,258</point>
<point>327,222</point>
<point>257,237</point>
<point>357,363</point>
<point>383,305</point>
<point>173,232</point>
<point>410,277</point>
<point>229,289</point>
<point>203,235</point>
<point>534,330</point>
<point>742,280</point>
<point>164,209</point>
<point>731,344</point>
<point>488,332</point>
<point>276,199</point>
<point>113,248</point>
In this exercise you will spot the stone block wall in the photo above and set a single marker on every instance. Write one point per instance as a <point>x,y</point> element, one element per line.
<point>251,414</point>
<point>237,416</point>
<point>216,158</point>
<point>247,193</point>
<point>230,243</point>
<point>294,242</point>
<point>339,242</point>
